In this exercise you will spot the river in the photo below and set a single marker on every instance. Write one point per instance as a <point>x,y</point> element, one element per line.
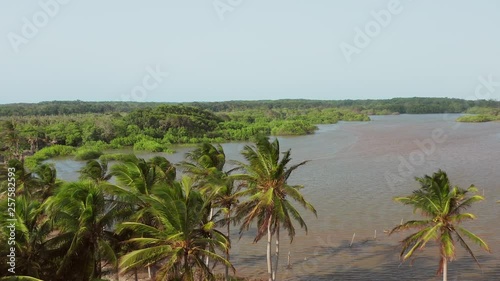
<point>356,169</point>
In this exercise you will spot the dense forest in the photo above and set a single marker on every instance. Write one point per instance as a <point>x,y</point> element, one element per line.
<point>388,106</point>
<point>86,129</point>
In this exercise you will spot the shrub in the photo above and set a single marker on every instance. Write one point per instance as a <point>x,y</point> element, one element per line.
<point>118,157</point>
<point>87,154</point>
<point>149,145</point>
<point>477,118</point>
<point>48,152</point>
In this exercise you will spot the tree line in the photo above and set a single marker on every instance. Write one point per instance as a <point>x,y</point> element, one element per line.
<point>416,105</point>
<point>152,129</point>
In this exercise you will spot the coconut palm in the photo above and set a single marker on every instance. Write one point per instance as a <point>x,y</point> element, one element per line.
<point>84,217</point>
<point>10,140</point>
<point>206,165</point>
<point>179,242</point>
<point>443,205</point>
<point>96,171</point>
<point>268,195</point>
<point>46,181</point>
<point>26,183</point>
<point>168,169</point>
<point>205,160</point>
<point>136,178</point>
<point>32,228</point>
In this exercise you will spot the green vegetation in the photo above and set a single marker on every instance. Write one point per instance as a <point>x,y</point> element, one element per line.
<point>481,114</point>
<point>117,157</point>
<point>388,106</point>
<point>269,196</point>
<point>146,217</point>
<point>99,126</point>
<point>478,118</point>
<point>148,127</point>
<point>47,153</point>
<point>87,154</point>
<point>179,227</point>
<point>443,205</point>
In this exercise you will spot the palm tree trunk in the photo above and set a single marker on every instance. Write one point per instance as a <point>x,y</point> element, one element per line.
<point>210,215</point>
<point>275,272</point>
<point>136,278</point>
<point>187,271</point>
<point>445,269</point>
<point>229,239</point>
<point>269,260</point>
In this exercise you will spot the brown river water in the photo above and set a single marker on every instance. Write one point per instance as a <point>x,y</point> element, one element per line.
<point>356,169</point>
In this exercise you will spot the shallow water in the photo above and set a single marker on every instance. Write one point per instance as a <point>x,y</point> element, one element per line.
<point>356,169</point>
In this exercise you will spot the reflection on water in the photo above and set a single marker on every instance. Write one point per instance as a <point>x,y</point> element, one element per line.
<point>348,180</point>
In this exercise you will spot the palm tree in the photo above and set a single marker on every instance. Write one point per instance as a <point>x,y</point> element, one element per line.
<point>32,229</point>
<point>443,205</point>
<point>26,183</point>
<point>10,140</point>
<point>95,171</point>
<point>136,179</point>
<point>268,195</point>
<point>46,181</point>
<point>84,217</point>
<point>179,242</point>
<point>206,165</point>
<point>168,169</point>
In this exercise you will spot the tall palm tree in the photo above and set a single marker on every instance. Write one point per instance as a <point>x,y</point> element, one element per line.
<point>268,195</point>
<point>136,179</point>
<point>84,218</point>
<point>206,165</point>
<point>178,243</point>
<point>443,205</point>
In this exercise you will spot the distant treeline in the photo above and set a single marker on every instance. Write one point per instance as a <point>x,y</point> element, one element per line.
<point>86,129</point>
<point>387,106</point>
<point>152,128</point>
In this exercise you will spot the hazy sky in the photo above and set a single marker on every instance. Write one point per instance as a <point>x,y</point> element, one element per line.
<point>246,49</point>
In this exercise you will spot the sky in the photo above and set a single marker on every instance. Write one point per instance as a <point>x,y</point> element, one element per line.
<point>215,50</point>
